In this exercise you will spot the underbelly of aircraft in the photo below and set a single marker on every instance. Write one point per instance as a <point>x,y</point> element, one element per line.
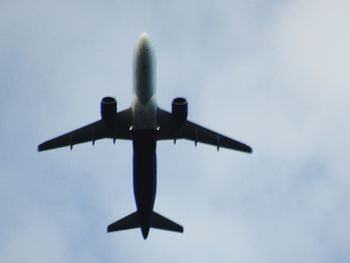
<point>145,170</point>
<point>144,116</point>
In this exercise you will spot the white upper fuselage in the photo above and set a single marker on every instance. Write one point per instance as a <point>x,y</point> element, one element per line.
<point>144,104</point>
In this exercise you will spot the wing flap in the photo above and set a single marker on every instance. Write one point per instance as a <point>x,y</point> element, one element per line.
<point>91,132</point>
<point>117,128</point>
<point>197,133</point>
<point>170,130</point>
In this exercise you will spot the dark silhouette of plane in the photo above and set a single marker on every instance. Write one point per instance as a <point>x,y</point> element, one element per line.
<point>144,123</point>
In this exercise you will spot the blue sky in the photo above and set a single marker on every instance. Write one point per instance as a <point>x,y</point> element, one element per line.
<point>273,74</point>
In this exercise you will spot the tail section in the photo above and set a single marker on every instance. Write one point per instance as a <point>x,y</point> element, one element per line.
<point>163,223</point>
<point>134,221</point>
<point>128,222</point>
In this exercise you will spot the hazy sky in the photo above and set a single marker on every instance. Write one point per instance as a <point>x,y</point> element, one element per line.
<point>273,74</point>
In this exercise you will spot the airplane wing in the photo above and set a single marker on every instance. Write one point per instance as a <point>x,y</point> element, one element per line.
<point>117,128</point>
<point>170,130</point>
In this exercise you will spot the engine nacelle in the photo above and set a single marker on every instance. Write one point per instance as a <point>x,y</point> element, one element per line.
<point>108,108</point>
<point>179,109</point>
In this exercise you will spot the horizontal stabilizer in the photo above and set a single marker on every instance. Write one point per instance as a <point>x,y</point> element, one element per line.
<point>163,223</point>
<point>128,222</point>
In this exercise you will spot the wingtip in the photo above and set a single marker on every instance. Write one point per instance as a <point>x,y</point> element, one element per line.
<point>40,148</point>
<point>246,148</point>
<point>43,147</point>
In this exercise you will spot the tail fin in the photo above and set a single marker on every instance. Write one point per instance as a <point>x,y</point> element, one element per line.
<point>163,223</point>
<point>133,221</point>
<point>128,222</point>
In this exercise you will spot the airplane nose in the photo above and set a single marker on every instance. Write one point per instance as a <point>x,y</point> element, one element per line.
<point>144,42</point>
<point>144,38</point>
<point>143,53</point>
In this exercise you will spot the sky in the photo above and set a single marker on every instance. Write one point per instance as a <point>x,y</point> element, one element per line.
<point>273,74</point>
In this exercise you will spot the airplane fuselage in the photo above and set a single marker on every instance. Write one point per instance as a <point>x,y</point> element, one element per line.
<point>144,128</point>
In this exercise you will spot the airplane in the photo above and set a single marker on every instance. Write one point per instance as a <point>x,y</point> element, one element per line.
<point>144,123</point>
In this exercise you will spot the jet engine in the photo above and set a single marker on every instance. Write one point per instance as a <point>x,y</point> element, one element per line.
<point>179,109</point>
<point>108,108</point>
